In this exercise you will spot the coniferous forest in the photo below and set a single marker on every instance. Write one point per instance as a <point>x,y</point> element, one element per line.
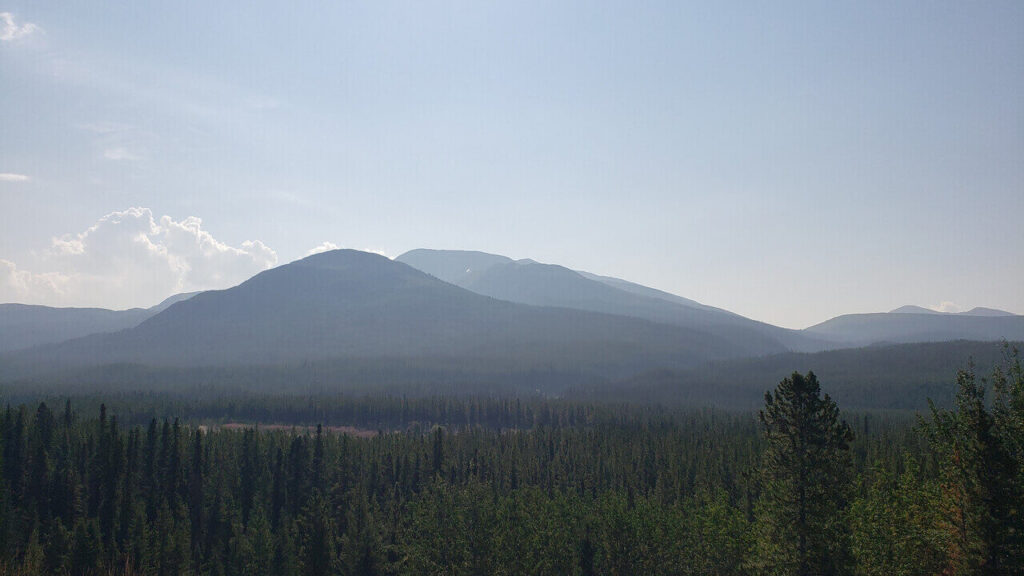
<point>475,485</point>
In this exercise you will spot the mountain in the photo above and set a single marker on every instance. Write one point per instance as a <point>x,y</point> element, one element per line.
<point>453,266</point>
<point>911,309</point>
<point>353,305</point>
<point>642,290</point>
<point>24,326</point>
<point>530,282</point>
<point>978,311</point>
<point>903,325</point>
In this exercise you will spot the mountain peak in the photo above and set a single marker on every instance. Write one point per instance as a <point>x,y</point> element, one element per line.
<point>976,311</point>
<point>911,309</point>
<point>452,266</point>
<point>342,258</point>
<point>981,311</point>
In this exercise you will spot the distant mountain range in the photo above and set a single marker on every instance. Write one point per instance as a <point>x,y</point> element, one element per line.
<point>529,282</point>
<point>347,304</point>
<point>434,317</point>
<point>979,311</point>
<point>24,326</point>
<point>901,327</point>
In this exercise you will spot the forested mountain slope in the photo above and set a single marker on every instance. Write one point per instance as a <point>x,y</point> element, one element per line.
<point>348,304</point>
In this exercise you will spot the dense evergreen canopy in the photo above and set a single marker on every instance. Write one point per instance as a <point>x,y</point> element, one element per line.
<point>513,486</point>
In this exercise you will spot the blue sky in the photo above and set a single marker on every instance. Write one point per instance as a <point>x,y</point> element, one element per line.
<point>787,161</point>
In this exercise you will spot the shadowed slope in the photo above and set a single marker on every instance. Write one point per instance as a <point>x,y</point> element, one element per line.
<point>347,304</point>
<point>24,326</point>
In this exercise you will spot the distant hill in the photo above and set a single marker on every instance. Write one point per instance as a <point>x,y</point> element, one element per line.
<point>24,326</point>
<point>901,376</point>
<point>530,282</point>
<point>453,266</point>
<point>475,321</point>
<point>978,311</point>
<point>356,305</point>
<point>905,326</point>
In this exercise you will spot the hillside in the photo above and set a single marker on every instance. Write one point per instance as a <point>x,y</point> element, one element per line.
<point>905,327</point>
<point>530,282</point>
<point>901,376</point>
<point>348,304</point>
<point>24,326</point>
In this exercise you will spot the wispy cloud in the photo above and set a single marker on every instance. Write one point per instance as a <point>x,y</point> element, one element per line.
<point>118,141</point>
<point>103,127</point>
<point>119,153</point>
<point>11,31</point>
<point>10,177</point>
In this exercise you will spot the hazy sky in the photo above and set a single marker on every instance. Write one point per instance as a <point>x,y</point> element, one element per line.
<point>787,161</point>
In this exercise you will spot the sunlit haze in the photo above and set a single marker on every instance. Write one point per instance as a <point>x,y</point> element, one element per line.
<point>789,162</point>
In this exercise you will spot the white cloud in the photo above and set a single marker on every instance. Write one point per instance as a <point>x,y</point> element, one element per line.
<point>119,153</point>
<point>9,177</point>
<point>10,31</point>
<point>323,247</point>
<point>129,258</point>
<point>103,127</point>
<point>22,282</point>
<point>946,306</point>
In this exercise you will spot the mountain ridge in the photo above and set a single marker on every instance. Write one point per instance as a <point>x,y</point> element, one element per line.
<point>529,282</point>
<point>495,318</point>
<point>348,304</point>
<point>24,326</point>
<point>976,311</point>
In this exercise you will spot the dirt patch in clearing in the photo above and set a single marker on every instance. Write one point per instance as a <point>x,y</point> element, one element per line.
<point>349,430</point>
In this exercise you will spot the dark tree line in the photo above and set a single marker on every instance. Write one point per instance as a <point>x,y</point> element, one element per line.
<point>521,487</point>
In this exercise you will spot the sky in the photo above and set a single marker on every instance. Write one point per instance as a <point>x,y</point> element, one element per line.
<point>787,161</point>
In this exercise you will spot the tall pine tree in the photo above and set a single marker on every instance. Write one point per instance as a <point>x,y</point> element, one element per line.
<point>805,477</point>
<point>981,472</point>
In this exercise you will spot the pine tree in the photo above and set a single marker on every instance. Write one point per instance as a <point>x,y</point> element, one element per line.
<point>317,554</point>
<point>805,477</point>
<point>981,472</point>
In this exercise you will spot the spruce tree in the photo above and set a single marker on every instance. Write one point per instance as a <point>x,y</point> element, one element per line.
<point>805,476</point>
<point>981,472</point>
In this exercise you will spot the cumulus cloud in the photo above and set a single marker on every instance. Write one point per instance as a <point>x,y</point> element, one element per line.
<point>10,177</point>
<point>15,281</point>
<point>130,258</point>
<point>11,31</point>
<point>323,247</point>
<point>947,306</point>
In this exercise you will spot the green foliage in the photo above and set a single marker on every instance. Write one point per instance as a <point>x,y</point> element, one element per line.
<point>806,475</point>
<point>982,472</point>
<point>491,486</point>
<point>896,524</point>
